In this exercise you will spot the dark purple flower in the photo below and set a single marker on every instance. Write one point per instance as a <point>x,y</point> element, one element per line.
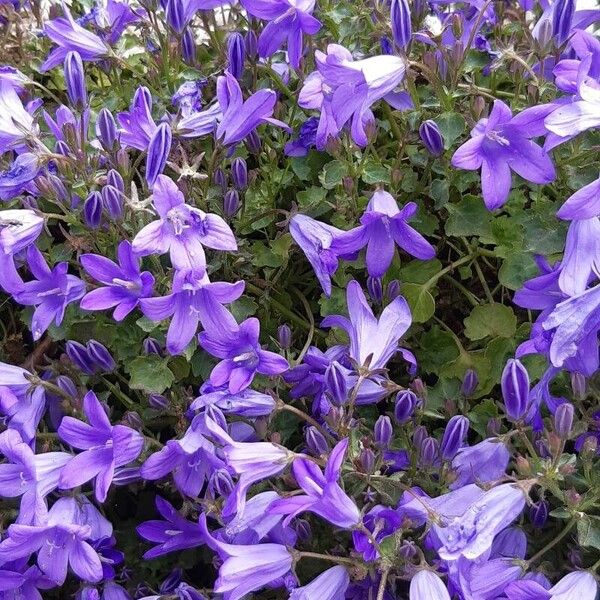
<point>515,389</point>
<point>158,152</point>
<point>400,17</point>
<point>239,173</point>
<point>137,125</point>
<point>235,54</point>
<point>75,80</point>
<point>92,210</point>
<point>106,129</point>
<point>432,138</point>
<point>454,436</point>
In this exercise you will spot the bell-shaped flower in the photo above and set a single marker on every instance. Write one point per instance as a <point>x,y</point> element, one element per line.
<point>246,568</point>
<point>16,124</point>
<point>247,403</point>
<point>581,256</point>
<point>583,204</point>
<point>105,448</point>
<point>19,175</point>
<point>323,494</point>
<point>329,585</point>
<point>579,585</point>
<point>481,463</point>
<point>137,125</point>
<point>241,355</point>
<point>50,292</point>
<point>383,225</point>
<point>498,145</point>
<point>427,584</point>
<point>371,338</point>
<point>28,475</point>
<point>193,299</point>
<point>124,283</point>
<point>182,230</point>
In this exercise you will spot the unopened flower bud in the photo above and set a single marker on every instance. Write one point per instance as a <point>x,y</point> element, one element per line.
<point>386,45</point>
<point>406,403</point>
<point>112,200</point>
<point>152,346</point>
<point>221,483</point>
<point>383,431</point>
<point>175,13</point>
<point>562,18</point>
<point>158,152</point>
<point>253,142</point>
<point>538,514</point>
<point>470,383</point>
<point>401,22</point>
<point>158,401</point>
<point>578,385</point>
<point>375,288</point>
<point>315,441</point>
<point>92,210</point>
<point>79,356</point>
<point>113,177</point>
<point>493,427</point>
<point>106,129</point>
<point>133,420</point>
<point>335,380</point>
<point>236,53</point>
<point>220,179</point>
<point>67,386</point>
<point>563,420</point>
<point>231,203</point>
<point>188,47</point>
<point>429,451</point>
<point>239,173</point>
<point>419,434</point>
<point>303,530</point>
<point>251,44</point>
<point>101,356</point>
<point>432,138</point>
<point>75,80</point>
<point>454,436</point>
<point>284,336</point>
<point>393,290</point>
<point>367,460</point>
<point>61,148</point>
<point>515,389</point>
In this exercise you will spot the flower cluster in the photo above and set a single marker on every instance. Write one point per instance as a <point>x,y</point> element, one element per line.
<point>267,333</point>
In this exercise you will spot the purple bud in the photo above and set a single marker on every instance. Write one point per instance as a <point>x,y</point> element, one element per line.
<point>113,177</point>
<point>542,449</point>
<point>454,436</point>
<point>106,129</point>
<point>126,476</point>
<point>175,13</point>
<point>515,389</point>
<point>239,174</point>
<point>59,188</point>
<point>158,152</point>
<point>235,54</point>
<point>562,18</point>
<point>158,401</point>
<point>432,138</point>
<point>470,383</point>
<point>383,431</point>
<point>408,550</point>
<point>303,530</point>
<point>101,356</point>
<point>563,420</point>
<point>231,203</point>
<point>251,44</point>
<point>284,335</point>
<point>393,289</point>
<point>92,210</point>
<point>133,420</point>
<point>538,514</point>
<point>152,346</point>
<point>221,483</point>
<point>220,179</point>
<point>493,427</point>
<point>75,79</point>
<point>406,402</point>
<point>66,385</point>
<point>62,148</point>
<point>386,46</point>
<point>253,142</point>
<point>315,441</point>
<point>171,582</point>
<point>367,460</point>
<point>401,24</point>
<point>544,34</point>
<point>429,451</point>
<point>335,380</point>
<point>188,47</point>
<point>419,434</point>
<point>112,200</point>
<point>375,288</point>
<point>578,385</point>
<point>80,357</point>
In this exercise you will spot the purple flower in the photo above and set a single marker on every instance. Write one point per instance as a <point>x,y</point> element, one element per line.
<point>18,229</point>
<point>19,175</point>
<point>307,138</point>
<point>581,255</point>
<point>193,299</point>
<point>246,568</point>
<point>427,584</point>
<point>498,145</point>
<point>401,22</point>
<point>137,125</point>
<point>242,117</point>
<point>182,230</point>
<point>383,225</point>
<point>579,585</point>
<point>580,115</point>
<point>105,448</point>
<point>15,122</point>
<point>344,90</point>
<point>190,460</point>
<point>241,354</point>
<point>30,476</point>
<point>125,283</point>
<point>487,579</point>
<point>22,581</point>
<point>171,535</point>
<point>371,338</point>
<point>484,462</point>
<point>50,293</point>
<point>69,36</point>
<point>324,496</point>
<point>247,403</point>
<point>60,542</point>
<point>329,585</point>
<point>515,389</point>
<point>289,20</point>
<point>583,204</point>
<point>158,152</point>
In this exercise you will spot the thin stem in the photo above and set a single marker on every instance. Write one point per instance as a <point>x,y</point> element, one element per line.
<point>382,584</point>
<point>553,542</point>
<point>302,415</point>
<point>336,559</point>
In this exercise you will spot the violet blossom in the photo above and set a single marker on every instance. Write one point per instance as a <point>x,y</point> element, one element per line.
<point>329,585</point>
<point>16,124</point>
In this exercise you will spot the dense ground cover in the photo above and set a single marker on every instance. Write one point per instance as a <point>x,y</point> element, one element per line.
<point>299,300</point>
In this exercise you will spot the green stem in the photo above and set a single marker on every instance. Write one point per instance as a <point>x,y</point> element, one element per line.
<point>552,543</point>
<point>336,559</point>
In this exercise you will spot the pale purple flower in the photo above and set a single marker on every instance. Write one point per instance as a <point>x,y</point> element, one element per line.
<point>579,585</point>
<point>498,145</point>
<point>193,300</point>
<point>50,292</point>
<point>427,585</point>
<point>581,256</point>
<point>105,448</point>
<point>383,225</point>
<point>241,117</point>
<point>29,476</point>
<point>16,124</point>
<point>246,403</point>
<point>241,355</point>
<point>137,125</point>
<point>246,568</point>
<point>172,534</point>
<point>482,463</point>
<point>18,177</point>
<point>487,580</point>
<point>371,338</point>
<point>344,89</point>
<point>288,21</point>
<point>583,204</point>
<point>124,283</point>
<point>323,494</point>
<point>19,580</point>
<point>181,230</point>
<point>329,585</point>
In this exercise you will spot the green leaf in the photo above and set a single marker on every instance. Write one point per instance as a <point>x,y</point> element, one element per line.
<point>311,199</point>
<point>419,271</point>
<point>374,173</point>
<point>243,308</point>
<point>421,302</point>
<point>490,320</point>
<point>516,269</point>
<point>468,217</point>
<point>588,531</point>
<point>335,304</point>
<point>332,174</point>
<point>150,373</point>
<point>265,257</point>
<point>440,192</point>
<point>451,125</point>
<point>481,414</point>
